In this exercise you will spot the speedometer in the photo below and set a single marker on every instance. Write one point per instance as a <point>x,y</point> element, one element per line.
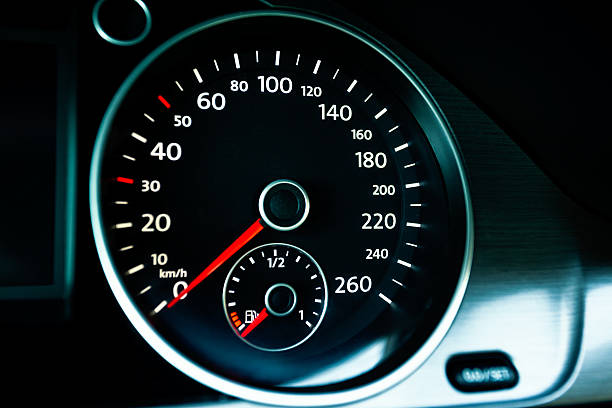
<point>280,209</point>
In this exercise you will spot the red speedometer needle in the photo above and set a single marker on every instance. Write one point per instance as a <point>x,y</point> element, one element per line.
<point>260,318</point>
<point>246,236</point>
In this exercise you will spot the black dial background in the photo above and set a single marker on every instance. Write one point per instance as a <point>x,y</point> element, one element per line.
<point>212,192</point>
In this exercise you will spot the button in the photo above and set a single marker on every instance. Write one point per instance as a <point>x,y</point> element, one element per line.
<point>477,372</point>
<point>122,22</point>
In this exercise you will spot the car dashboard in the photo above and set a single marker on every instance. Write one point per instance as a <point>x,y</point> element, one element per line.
<point>292,203</point>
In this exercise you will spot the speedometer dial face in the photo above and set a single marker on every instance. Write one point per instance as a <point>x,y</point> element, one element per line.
<point>274,196</point>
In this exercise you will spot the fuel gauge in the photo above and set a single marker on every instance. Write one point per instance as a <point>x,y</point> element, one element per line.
<point>275,297</point>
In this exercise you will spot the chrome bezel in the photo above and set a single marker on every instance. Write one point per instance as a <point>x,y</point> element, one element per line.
<point>265,217</point>
<point>436,127</point>
<point>109,38</point>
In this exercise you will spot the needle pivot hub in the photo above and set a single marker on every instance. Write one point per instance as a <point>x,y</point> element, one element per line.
<point>284,205</point>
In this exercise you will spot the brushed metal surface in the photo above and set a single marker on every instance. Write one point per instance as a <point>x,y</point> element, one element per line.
<point>594,378</point>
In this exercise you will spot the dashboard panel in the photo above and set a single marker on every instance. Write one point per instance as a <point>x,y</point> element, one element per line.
<point>458,264</point>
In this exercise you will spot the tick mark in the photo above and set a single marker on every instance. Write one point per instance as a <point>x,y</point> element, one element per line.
<point>386,299</point>
<point>351,86</point>
<point>135,269</point>
<point>159,308</point>
<point>404,263</point>
<point>197,75</point>
<point>139,138</point>
<point>379,114</point>
<point>401,147</point>
<point>125,180</point>
<point>399,283</point>
<point>163,101</point>
<point>122,225</point>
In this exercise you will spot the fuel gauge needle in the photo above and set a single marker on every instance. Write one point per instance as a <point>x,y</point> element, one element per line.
<point>241,241</point>
<point>260,318</point>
